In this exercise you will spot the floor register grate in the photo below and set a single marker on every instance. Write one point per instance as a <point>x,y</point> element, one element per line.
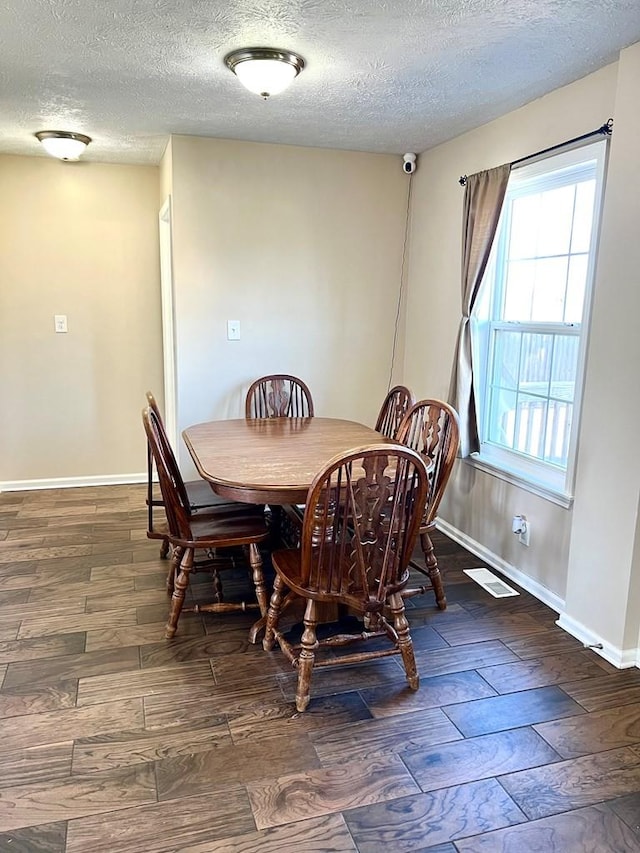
<point>491,583</point>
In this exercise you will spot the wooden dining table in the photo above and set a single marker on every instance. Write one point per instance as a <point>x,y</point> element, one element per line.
<point>272,460</point>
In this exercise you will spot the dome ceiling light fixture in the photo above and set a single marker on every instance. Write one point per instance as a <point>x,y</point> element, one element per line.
<point>264,70</point>
<point>63,144</point>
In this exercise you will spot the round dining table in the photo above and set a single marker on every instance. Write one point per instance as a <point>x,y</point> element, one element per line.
<point>271,460</point>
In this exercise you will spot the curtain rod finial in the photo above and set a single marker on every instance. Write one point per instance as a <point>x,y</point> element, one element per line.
<point>462,180</point>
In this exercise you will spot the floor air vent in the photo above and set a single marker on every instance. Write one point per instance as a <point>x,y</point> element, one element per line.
<point>493,585</point>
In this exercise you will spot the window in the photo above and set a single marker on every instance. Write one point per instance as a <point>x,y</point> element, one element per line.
<point>530,319</point>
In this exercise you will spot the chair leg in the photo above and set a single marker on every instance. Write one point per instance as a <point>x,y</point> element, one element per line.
<point>255,561</point>
<point>433,571</point>
<point>307,656</point>
<point>173,569</point>
<point>217,586</point>
<point>405,643</point>
<point>273,614</point>
<point>180,588</point>
<point>164,549</point>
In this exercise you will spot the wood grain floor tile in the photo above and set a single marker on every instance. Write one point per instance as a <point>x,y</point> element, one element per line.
<point>590,830</point>
<point>275,717</point>
<point>95,589</point>
<point>365,740</point>
<point>52,581</point>
<point>574,783</point>
<point>46,838</point>
<point>13,596</point>
<point>34,610</point>
<point>461,658</point>
<point>41,648</point>
<point>3,672</point>
<point>34,764</point>
<point>334,680</point>
<point>8,631</point>
<point>9,553</point>
<point>28,805</point>
<point>69,723</point>
<point>147,682</point>
<point>137,635</point>
<point>44,627</point>
<point>477,758</point>
<point>123,600</point>
<point>607,691</point>
<point>188,775</point>
<point>511,711</point>
<point>35,698</point>
<point>497,627</point>
<point>553,669</point>
<point>122,749</point>
<point>124,571</point>
<point>71,666</point>
<point>188,648</point>
<point>433,692</point>
<point>329,790</point>
<point>182,823</point>
<point>327,834</point>
<point>539,645</point>
<point>598,731</point>
<point>425,820</point>
<point>628,808</point>
<point>176,705</point>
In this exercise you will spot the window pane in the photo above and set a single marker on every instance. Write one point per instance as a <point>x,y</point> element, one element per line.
<point>583,217</point>
<point>530,425</point>
<point>502,417</point>
<point>556,214</point>
<point>556,449</point>
<point>549,290</point>
<point>564,367</point>
<point>576,284</point>
<point>506,359</point>
<point>519,291</point>
<point>525,216</point>
<point>535,369</point>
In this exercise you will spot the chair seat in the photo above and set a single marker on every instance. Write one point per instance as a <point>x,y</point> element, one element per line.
<point>216,529</point>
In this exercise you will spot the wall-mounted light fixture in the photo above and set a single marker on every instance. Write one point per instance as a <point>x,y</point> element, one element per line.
<point>264,70</point>
<point>62,144</point>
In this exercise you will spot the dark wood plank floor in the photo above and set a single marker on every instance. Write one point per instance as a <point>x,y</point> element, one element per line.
<point>118,741</point>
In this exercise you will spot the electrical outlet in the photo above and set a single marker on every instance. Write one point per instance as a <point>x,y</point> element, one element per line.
<point>525,532</point>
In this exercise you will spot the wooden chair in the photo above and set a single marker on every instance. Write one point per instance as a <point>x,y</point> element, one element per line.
<point>361,520</point>
<point>393,409</point>
<point>278,396</point>
<point>431,428</point>
<point>199,492</point>
<point>188,530</point>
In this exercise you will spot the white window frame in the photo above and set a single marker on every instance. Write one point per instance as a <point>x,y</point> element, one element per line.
<point>543,478</point>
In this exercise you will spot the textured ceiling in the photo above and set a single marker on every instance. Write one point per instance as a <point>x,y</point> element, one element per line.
<point>388,76</point>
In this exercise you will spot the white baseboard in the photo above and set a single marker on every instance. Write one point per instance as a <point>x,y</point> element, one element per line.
<point>73,482</point>
<point>618,657</point>
<point>542,593</point>
<point>622,658</point>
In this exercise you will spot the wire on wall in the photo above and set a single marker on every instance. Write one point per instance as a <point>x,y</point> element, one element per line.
<point>401,289</point>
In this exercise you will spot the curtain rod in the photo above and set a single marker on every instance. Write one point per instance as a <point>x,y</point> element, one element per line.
<point>605,130</point>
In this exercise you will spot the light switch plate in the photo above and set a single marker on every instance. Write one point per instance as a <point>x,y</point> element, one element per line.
<point>60,323</point>
<point>233,330</point>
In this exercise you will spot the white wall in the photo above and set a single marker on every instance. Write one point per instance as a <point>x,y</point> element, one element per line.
<point>304,247</point>
<point>81,240</point>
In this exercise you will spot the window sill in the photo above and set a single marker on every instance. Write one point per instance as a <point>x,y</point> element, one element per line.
<point>516,478</point>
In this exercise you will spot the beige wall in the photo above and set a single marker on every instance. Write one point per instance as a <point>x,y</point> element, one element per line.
<point>81,240</point>
<point>304,247</point>
<point>478,504</point>
<point>604,562</point>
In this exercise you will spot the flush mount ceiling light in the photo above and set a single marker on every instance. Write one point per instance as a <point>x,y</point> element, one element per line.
<point>62,144</point>
<point>264,70</point>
